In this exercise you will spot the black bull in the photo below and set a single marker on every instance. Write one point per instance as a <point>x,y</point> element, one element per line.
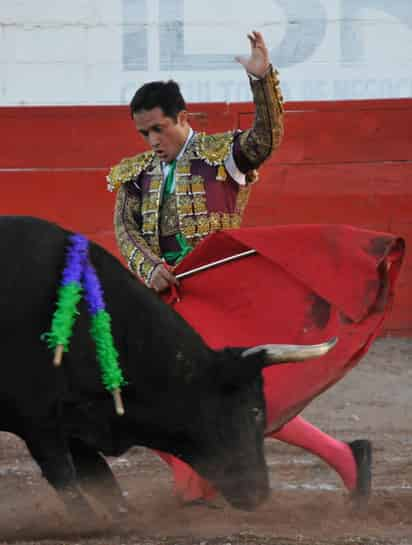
<point>204,406</point>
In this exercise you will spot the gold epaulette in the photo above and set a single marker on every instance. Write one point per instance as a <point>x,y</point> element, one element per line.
<point>128,169</point>
<point>214,148</point>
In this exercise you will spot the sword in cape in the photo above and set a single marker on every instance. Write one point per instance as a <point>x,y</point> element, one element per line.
<point>215,263</point>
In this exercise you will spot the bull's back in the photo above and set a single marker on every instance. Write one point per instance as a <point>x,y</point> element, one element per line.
<point>143,327</point>
<point>32,253</point>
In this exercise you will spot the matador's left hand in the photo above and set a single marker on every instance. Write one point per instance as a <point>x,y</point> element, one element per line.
<point>259,61</point>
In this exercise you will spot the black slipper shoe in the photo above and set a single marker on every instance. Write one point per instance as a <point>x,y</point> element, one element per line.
<point>362,452</point>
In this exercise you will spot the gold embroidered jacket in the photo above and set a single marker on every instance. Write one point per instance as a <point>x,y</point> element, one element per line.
<point>206,197</point>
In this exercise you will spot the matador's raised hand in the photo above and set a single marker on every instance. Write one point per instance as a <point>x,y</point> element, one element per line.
<point>258,62</point>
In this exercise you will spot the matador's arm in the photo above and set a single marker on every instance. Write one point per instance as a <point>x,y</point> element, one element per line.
<point>255,145</point>
<point>127,223</point>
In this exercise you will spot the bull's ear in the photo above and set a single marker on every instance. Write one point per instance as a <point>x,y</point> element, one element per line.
<point>272,354</point>
<point>236,369</point>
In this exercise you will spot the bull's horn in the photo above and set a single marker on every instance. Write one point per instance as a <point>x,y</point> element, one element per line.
<point>286,353</point>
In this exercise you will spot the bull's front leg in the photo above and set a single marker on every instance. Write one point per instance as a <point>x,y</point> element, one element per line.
<point>50,450</point>
<point>97,479</point>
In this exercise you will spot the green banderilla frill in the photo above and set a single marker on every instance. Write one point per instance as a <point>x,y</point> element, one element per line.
<point>64,317</point>
<point>107,354</point>
<point>79,277</point>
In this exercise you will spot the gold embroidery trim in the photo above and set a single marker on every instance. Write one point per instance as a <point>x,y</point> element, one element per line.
<point>203,226</point>
<point>224,220</point>
<point>183,168</point>
<point>153,242</point>
<point>191,206</point>
<point>277,90</point>
<point>198,186</point>
<point>185,207</point>
<point>199,204</point>
<point>146,269</point>
<point>150,207</point>
<point>149,203</point>
<point>188,226</point>
<point>221,173</point>
<point>242,200</point>
<point>155,184</point>
<point>181,187</point>
<point>168,223</point>
<point>214,148</point>
<point>142,266</point>
<point>128,169</point>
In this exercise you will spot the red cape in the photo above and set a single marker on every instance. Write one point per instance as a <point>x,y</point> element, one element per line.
<point>304,285</point>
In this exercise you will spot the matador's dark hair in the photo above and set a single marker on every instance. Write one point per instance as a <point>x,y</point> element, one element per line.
<point>163,94</point>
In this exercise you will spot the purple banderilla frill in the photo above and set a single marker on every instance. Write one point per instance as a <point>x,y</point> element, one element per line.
<point>79,275</point>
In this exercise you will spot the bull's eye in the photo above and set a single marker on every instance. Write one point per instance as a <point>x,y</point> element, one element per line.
<point>258,414</point>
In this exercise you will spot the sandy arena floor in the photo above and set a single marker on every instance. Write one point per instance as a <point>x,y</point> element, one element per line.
<point>308,504</point>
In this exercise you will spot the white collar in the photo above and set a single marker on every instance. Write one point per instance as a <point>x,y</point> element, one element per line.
<point>188,139</point>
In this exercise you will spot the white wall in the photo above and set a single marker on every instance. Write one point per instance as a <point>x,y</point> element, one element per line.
<point>100,51</point>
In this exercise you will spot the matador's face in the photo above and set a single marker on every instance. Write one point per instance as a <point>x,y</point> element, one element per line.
<point>165,135</point>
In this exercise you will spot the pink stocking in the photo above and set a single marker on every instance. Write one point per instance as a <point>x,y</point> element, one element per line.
<point>188,485</point>
<point>337,454</point>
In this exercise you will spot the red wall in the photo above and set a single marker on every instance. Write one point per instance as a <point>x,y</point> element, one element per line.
<point>340,162</point>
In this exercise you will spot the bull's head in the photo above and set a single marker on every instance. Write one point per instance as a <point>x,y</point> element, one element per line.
<point>231,438</point>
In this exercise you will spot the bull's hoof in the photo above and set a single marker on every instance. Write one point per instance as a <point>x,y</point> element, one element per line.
<point>362,452</point>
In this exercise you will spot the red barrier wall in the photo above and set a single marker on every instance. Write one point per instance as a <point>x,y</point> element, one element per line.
<point>340,162</point>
